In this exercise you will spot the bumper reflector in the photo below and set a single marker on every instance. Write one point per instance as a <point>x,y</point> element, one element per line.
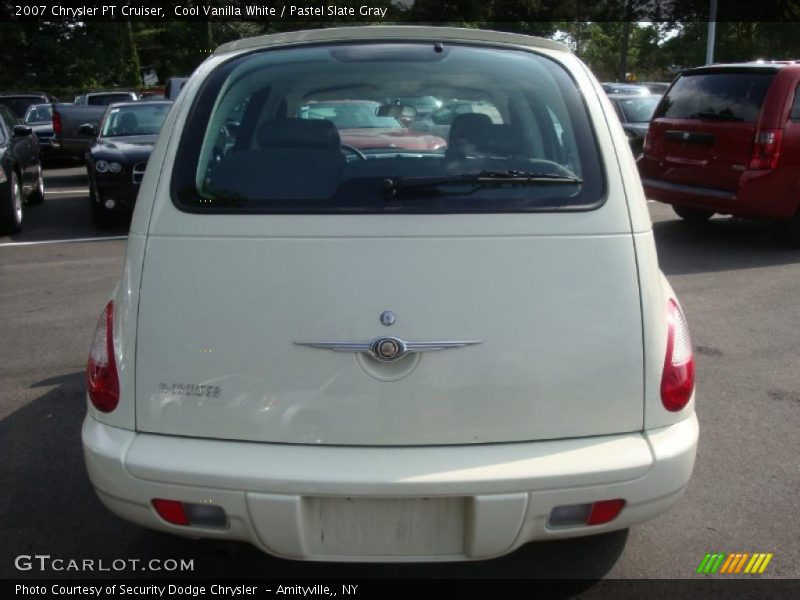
<point>596,513</point>
<point>186,513</point>
<point>574,514</point>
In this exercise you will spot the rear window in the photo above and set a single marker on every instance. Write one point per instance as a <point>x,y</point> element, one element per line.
<point>128,120</point>
<point>106,99</point>
<point>735,97</point>
<point>20,104</point>
<point>638,109</point>
<point>356,128</point>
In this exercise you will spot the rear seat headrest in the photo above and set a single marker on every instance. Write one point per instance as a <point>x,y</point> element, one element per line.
<point>299,133</point>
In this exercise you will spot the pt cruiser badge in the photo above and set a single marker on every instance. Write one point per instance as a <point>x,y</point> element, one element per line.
<point>389,349</point>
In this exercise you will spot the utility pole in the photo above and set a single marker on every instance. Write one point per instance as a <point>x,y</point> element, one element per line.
<point>712,31</point>
<point>626,34</point>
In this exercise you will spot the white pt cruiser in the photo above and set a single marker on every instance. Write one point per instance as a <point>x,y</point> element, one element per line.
<point>355,327</point>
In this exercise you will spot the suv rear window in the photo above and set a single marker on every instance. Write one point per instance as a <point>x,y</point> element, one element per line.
<point>106,99</point>
<point>732,96</point>
<point>354,128</point>
<point>19,104</point>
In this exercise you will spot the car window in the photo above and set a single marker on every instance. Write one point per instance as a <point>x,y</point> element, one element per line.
<point>723,96</point>
<point>39,114</point>
<point>144,119</point>
<point>19,104</point>
<point>795,114</point>
<point>638,110</point>
<point>303,143</point>
<point>106,99</point>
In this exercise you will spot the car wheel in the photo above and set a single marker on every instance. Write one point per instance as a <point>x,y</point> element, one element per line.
<point>11,207</point>
<point>693,215</point>
<point>100,217</point>
<point>37,196</point>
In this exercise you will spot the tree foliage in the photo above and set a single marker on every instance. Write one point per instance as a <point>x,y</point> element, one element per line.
<point>72,55</point>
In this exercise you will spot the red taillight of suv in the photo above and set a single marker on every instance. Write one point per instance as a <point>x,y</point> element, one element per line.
<point>57,123</point>
<point>766,149</point>
<point>101,372</point>
<point>677,380</point>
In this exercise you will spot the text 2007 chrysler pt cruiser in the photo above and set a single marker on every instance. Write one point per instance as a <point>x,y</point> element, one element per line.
<point>337,348</point>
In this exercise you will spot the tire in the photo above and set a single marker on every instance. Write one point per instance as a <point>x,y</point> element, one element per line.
<point>692,215</point>
<point>100,217</point>
<point>11,207</point>
<point>37,195</point>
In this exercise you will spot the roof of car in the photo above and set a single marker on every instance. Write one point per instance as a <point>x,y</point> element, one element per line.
<point>622,84</point>
<point>23,94</point>
<point>634,96</point>
<point>768,66</point>
<point>390,32</point>
<point>144,102</point>
<point>94,93</point>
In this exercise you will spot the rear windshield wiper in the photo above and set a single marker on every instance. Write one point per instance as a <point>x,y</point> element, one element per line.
<point>712,116</point>
<point>391,187</point>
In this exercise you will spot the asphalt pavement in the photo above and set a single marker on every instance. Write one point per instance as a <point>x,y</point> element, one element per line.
<point>739,287</point>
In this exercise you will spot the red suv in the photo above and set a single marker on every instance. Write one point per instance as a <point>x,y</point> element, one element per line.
<point>726,139</point>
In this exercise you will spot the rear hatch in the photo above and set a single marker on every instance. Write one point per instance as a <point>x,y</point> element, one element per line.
<point>702,132</point>
<point>557,318</point>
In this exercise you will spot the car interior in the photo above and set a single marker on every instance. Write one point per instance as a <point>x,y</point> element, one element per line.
<point>262,141</point>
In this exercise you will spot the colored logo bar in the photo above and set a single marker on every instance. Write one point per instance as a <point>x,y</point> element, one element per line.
<point>735,562</point>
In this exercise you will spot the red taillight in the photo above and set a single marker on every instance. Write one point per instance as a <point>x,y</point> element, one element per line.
<point>605,511</point>
<point>171,511</point>
<point>677,381</point>
<point>57,123</point>
<point>101,372</point>
<point>766,149</point>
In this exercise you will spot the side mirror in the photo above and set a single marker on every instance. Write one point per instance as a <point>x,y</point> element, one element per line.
<point>87,129</point>
<point>22,130</point>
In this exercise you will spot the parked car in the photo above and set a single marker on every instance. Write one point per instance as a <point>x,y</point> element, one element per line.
<point>726,139</point>
<point>417,356</point>
<point>634,113</point>
<point>439,122</point>
<point>630,89</point>
<point>117,159</point>
<point>19,102</point>
<point>88,109</point>
<point>174,87</point>
<point>362,129</point>
<point>424,105</point>
<point>39,117</point>
<point>21,176</point>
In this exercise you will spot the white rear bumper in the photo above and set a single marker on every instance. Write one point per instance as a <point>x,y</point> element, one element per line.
<point>398,504</point>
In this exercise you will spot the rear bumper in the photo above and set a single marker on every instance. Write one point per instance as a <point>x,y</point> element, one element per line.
<point>759,194</point>
<point>501,495</point>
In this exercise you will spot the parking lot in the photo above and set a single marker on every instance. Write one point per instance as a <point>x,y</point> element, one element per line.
<point>739,287</point>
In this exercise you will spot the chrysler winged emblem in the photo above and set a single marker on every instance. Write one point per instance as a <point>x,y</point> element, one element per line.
<point>389,349</point>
